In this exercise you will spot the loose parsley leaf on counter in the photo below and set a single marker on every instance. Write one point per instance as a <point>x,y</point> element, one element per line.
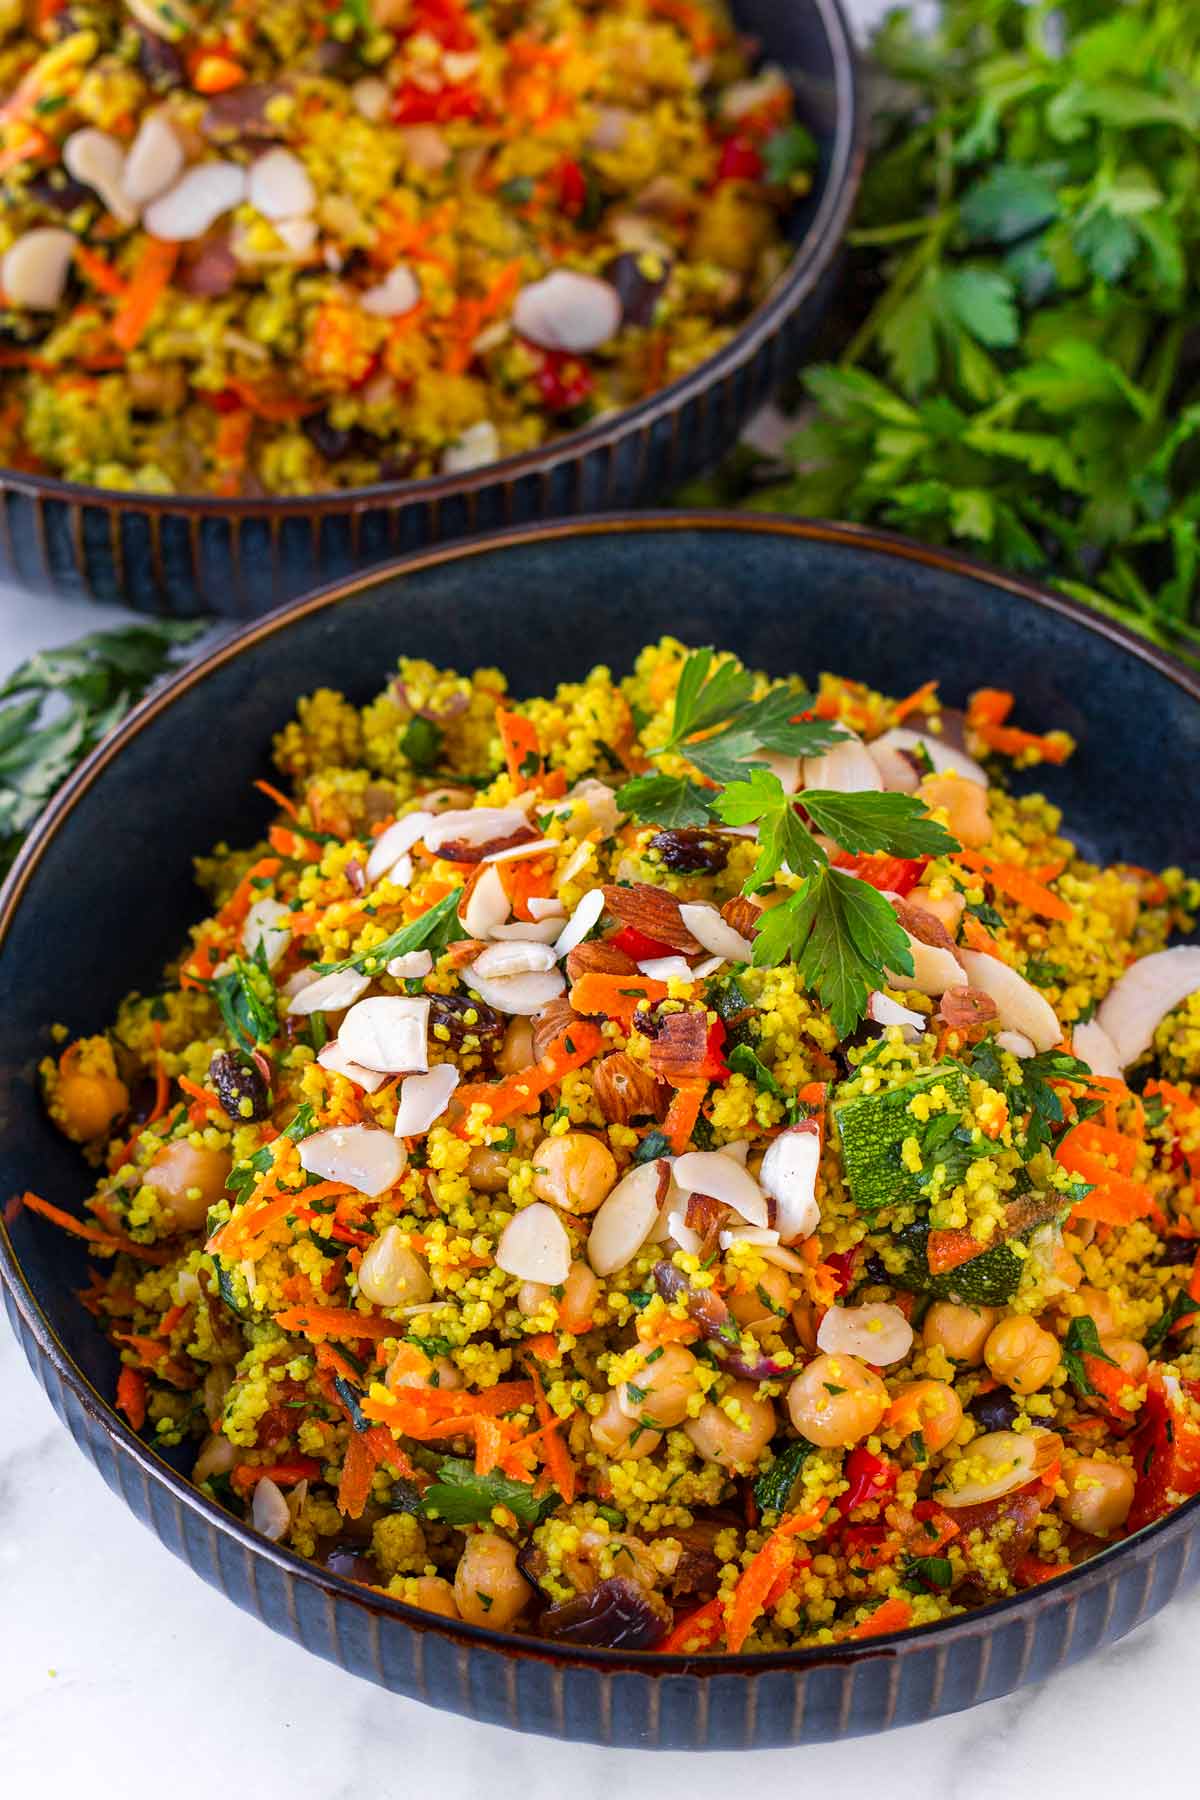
<point>461,1497</point>
<point>74,695</point>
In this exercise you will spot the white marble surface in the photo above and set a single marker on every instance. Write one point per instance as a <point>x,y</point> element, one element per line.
<point>122,1674</point>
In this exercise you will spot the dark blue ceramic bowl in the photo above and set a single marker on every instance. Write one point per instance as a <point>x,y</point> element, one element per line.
<point>104,889</point>
<point>238,558</point>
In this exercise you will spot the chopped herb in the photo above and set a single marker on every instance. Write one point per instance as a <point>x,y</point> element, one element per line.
<point>1181,1307</point>
<point>789,152</point>
<point>351,1399</point>
<point>421,742</point>
<point>432,931</point>
<point>652,1146</point>
<point>987,915</point>
<point>919,1574</point>
<point>1044,973</point>
<point>1082,1339</point>
<point>518,191</point>
<point>744,1061</point>
<point>773,1488</point>
<point>461,1497</point>
<point>247,1001</point>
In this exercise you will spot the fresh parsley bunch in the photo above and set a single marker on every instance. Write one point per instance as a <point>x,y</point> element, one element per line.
<point>1025,382</point>
<point>61,703</point>
<point>841,933</point>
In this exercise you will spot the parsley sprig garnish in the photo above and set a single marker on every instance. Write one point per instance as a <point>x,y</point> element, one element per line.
<point>841,933</point>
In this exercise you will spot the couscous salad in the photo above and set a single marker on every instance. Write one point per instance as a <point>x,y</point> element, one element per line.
<point>691,1163</point>
<point>260,247</point>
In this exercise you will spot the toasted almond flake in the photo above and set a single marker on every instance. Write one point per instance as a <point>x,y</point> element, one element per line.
<point>391,844</point>
<point>262,926</point>
<point>412,966</point>
<point>783,1258</point>
<point>715,934</point>
<point>760,1235</point>
<point>389,1032</point>
<point>279,187</point>
<point>568,311</point>
<point>1019,1004</point>
<point>520,996</point>
<point>666,968</point>
<point>332,1056</point>
<point>934,970</point>
<point>885,1011</point>
<point>540,931</point>
<point>269,1511</point>
<point>623,1222</point>
<point>487,905</point>
<point>423,1099</point>
<point>199,198</point>
<point>1014,1456</point>
<point>789,1176</point>
<point>395,295</point>
<point>329,993</point>
<point>500,960</point>
<point>575,865</point>
<point>1091,1044</point>
<point>943,756</point>
<point>709,1172</point>
<point>879,1333</point>
<point>534,1246</point>
<point>542,908</point>
<point>518,852</point>
<point>155,161</point>
<point>681,1233</point>
<point>1150,988</point>
<point>473,825</point>
<point>1017,1044</point>
<point>367,1159</point>
<point>584,919</point>
<point>845,768</point>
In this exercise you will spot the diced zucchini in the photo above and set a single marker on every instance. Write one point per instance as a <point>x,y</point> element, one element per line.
<point>873,1127</point>
<point>988,1280</point>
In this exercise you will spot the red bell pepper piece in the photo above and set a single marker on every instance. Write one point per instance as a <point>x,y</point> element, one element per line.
<point>639,946</point>
<point>871,1478</point>
<point>867,1546</point>
<point>563,381</point>
<point>740,161</point>
<point>714,1067</point>
<point>1166,1448</point>
<point>842,1263</point>
<point>572,187</point>
<point>890,874</point>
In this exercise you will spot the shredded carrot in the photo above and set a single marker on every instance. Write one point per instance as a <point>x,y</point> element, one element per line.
<point>171,1318</point>
<point>335,1321</point>
<point>202,1097</point>
<point>155,266</point>
<point>893,1615</point>
<point>558,1459</point>
<point>764,1570</point>
<point>946,1250</point>
<point>684,1110</point>
<point>94,1234</point>
<point>1090,1136</point>
<point>364,1452</point>
<point>34,143</point>
<point>978,937</point>
<point>131,1396</point>
<point>294,843</point>
<point>284,1474</point>
<point>100,273</point>
<point>521,1092</point>
<point>544,1346</point>
<point>426,1413</point>
<point>1018,884</point>
<point>987,711</point>
<point>914,702</point>
<point>522,750</point>
<point>615,996</point>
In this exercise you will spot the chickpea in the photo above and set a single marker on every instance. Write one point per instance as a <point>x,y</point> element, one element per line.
<point>1066,1267</point>
<point>1100,1308</point>
<point>489,1589</point>
<point>516,1052</point>
<point>719,1439</point>
<point>965,803</point>
<point>531,1297</point>
<point>487,1170</point>
<point>836,1400</point>
<point>188,1180</point>
<point>804,1324</point>
<point>88,1104</point>
<point>616,1435</point>
<point>1021,1355</point>
<point>575,1171</point>
<point>1129,1356</point>
<point>581,1291</point>
<point>961,1331</point>
<point>660,1387</point>
<point>1099,1495</point>
<point>433,1594</point>
<point>766,1303</point>
<point>930,1407</point>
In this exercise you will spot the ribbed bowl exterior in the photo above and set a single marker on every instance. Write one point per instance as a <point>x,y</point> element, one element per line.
<point>627,1702</point>
<point>237,559</point>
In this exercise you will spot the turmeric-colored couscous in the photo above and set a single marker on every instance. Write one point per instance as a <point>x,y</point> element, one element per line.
<point>687,1163</point>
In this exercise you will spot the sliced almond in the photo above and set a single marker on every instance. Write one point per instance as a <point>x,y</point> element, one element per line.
<point>269,1512</point>
<point>414,965</point>
<point>520,996</point>
<point>666,968</point>
<point>423,1099</point>
<point>1019,1005</point>
<point>1092,1045</point>
<point>1150,988</point>
<point>545,907</point>
<point>534,1246</point>
<point>389,1032</point>
<point>262,926</point>
<point>885,1011</point>
<point>847,767</point>
<point>487,905</point>
<point>623,1222</point>
<point>584,919</point>
<point>365,1158</point>
<point>474,825</point>
<point>724,1179</point>
<point>329,993</point>
<point>714,933</point>
<point>522,931</point>
<point>332,1056</point>
<point>789,1175</point>
<point>392,844</point>
<point>934,970</point>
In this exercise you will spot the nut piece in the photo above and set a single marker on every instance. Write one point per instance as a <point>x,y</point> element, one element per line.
<point>922,925</point>
<point>626,1089</point>
<point>550,1023</point>
<point>743,914</point>
<point>598,958</point>
<point>653,911</point>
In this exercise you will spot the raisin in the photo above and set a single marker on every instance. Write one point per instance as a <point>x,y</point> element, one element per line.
<point>462,1017</point>
<point>236,1082</point>
<point>690,850</point>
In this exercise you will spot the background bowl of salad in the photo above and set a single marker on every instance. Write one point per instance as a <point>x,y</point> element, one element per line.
<point>78,929</point>
<point>154,463</point>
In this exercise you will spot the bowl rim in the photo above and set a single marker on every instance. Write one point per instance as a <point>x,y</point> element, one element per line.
<point>814,255</point>
<point>126,1443</point>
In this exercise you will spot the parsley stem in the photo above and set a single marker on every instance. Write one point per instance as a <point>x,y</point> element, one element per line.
<point>905,278</point>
